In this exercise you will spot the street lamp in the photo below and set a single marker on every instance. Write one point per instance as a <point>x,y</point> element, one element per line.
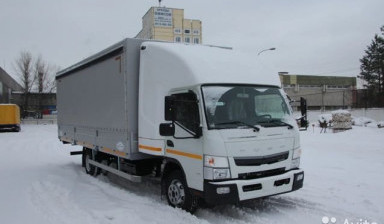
<point>269,49</point>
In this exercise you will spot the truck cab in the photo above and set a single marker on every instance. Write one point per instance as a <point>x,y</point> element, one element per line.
<point>224,122</point>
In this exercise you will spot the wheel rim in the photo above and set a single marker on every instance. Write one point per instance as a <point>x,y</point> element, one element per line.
<point>176,193</point>
<point>87,165</point>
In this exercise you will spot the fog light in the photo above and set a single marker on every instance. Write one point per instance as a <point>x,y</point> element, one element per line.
<point>223,190</point>
<point>299,177</point>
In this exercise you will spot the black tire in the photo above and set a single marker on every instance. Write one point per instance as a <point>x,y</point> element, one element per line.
<point>178,194</point>
<point>89,169</point>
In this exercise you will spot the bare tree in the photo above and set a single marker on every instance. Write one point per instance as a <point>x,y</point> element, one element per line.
<point>23,66</point>
<point>45,80</point>
<point>41,70</point>
<point>36,76</point>
<point>40,73</point>
<point>50,85</point>
<point>44,74</point>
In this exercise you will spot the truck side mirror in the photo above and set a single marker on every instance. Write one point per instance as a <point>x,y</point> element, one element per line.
<point>168,108</point>
<point>167,129</point>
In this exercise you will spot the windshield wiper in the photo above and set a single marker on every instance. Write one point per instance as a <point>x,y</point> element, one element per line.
<point>278,122</point>
<point>239,122</point>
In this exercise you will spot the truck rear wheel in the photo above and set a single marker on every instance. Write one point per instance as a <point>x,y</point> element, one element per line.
<point>178,194</point>
<point>87,156</point>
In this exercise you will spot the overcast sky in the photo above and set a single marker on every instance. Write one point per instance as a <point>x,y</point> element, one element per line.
<point>311,37</point>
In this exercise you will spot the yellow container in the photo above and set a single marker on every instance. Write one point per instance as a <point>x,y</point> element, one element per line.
<point>10,117</point>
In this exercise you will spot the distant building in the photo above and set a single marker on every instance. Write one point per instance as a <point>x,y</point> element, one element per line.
<point>7,86</point>
<point>321,92</point>
<point>12,92</point>
<point>168,24</point>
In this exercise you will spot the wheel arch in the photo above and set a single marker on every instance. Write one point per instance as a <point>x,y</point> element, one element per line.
<point>170,165</point>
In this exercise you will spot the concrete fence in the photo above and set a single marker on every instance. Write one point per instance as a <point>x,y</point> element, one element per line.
<point>47,119</point>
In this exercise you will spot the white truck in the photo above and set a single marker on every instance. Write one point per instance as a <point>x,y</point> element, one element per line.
<point>207,123</point>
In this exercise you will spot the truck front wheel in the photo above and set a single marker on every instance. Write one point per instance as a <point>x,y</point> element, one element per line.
<point>178,194</point>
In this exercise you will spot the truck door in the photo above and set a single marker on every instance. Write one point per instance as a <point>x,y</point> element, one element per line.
<point>185,143</point>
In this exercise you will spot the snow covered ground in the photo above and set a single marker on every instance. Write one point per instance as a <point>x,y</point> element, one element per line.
<point>41,183</point>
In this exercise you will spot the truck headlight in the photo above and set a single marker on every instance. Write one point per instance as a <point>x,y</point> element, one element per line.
<point>216,173</point>
<point>221,174</point>
<point>296,153</point>
<point>216,168</point>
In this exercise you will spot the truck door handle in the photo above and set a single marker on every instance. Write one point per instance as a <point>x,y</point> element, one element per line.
<point>170,143</point>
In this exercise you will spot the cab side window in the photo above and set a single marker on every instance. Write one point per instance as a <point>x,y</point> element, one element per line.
<point>187,111</point>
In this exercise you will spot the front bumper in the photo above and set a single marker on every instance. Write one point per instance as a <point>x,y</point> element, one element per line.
<point>240,190</point>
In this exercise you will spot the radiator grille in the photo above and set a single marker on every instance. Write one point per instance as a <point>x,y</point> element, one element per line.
<point>260,160</point>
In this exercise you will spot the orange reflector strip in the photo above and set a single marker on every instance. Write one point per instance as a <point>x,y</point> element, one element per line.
<point>85,144</point>
<point>111,151</point>
<point>186,154</point>
<point>150,148</point>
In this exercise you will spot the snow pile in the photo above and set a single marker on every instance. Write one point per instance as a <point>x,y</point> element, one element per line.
<point>362,121</point>
<point>380,124</point>
<point>341,119</point>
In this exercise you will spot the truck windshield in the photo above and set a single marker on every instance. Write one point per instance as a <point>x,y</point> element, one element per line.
<point>244,106</point>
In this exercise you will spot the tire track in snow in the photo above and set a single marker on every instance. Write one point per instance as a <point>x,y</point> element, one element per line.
<point>55,204</point>
<point>270,210</point>
<point>276,209</point>
<point>71,196</point>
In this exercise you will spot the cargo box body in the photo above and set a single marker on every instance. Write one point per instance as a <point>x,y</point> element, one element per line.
<point>97,101</point>
<point>9,117</point>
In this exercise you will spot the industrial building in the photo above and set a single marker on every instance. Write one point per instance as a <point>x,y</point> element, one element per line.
<point>169,24</point>
<point>7,86</point>
<point>12,92</point>
<point>321,92</point>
